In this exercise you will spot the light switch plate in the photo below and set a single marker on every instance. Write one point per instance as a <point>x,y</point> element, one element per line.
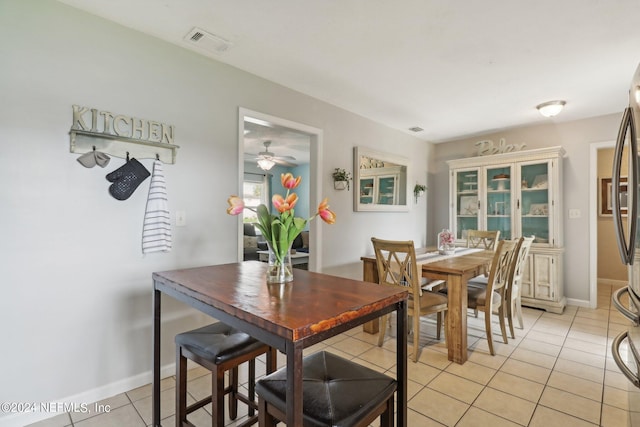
<point>574,213</point>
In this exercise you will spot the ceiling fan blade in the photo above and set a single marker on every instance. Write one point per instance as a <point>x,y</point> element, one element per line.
<point>281,162</point>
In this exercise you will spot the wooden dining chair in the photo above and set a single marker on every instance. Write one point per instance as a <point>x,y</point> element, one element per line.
<point>396,264</point>
<point>482,239</point>
<point>514,289</point>
<point>492,299</point>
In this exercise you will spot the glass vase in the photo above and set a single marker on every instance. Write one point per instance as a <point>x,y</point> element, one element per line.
<point>280,268</point>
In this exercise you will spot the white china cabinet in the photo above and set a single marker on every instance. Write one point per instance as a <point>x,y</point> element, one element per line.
<point>518,193</point>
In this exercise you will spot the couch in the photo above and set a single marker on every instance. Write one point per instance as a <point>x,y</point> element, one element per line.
<point>252,243</point>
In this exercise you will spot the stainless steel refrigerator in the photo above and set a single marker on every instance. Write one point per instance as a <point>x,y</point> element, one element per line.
<point>625,200</point>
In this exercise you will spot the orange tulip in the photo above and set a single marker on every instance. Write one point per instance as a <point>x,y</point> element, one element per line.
<point>282,204</point>
<point>327,215</point>
<point>236,205</point>
<point>288,181</point>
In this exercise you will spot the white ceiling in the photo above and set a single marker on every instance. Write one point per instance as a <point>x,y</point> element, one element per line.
<point>454,68</point>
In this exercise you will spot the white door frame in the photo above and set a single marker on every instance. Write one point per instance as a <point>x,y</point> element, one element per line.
<point>315,177</point>
<point>593,218</point>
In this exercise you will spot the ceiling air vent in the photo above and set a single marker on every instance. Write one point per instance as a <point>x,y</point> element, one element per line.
<point>207,41</point>
<point>416,129</point>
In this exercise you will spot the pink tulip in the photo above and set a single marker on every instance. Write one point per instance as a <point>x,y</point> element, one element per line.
<point>327,215</point>
<point>288,181</point>
<point>284,205</point>
<point>236,205</point>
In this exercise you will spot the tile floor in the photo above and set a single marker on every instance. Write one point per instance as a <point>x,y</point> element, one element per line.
<point>557,372</point>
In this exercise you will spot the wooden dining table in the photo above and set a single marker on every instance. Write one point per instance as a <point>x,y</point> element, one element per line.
<point>289,317</point>
<point>455,270</point>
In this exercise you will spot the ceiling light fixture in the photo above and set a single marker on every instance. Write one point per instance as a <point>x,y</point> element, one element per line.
<point>551,108</point>
<point>265,163</point>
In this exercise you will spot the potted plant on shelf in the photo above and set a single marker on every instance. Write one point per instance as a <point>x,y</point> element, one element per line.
<point>341,179</point>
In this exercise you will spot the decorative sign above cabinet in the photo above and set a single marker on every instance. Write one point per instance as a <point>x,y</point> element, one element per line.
<point>121,136</point>
<point>487,147</point>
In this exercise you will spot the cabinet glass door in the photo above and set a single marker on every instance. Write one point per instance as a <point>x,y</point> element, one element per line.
<point>387,190</point>
<point>366,191</point>
<point>466,198</point>
<point>498,206</point>
<point>535,199</point>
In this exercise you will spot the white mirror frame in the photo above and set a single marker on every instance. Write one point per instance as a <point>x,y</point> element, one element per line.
<point>403,190</point>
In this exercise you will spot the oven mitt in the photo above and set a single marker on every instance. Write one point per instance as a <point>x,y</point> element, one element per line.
<point>126,179</point>
<point>92,158</point>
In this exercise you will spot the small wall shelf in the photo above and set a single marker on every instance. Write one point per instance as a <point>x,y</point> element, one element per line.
<point>121,146</point>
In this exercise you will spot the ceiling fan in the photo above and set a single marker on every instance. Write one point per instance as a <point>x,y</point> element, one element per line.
<point>266,159</point>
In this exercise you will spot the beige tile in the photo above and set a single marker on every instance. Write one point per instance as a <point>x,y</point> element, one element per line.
<point>600,330</point>
<point>526,370</point>
<point>616,398</point>
<point>456,387</point>
<point>584,336</point>
<point>581,387</point>
<point>421,373</point>
<point>167,405</point>
<point>100,407</point>
<point>419,420</point>
<point>62,420</point>
<point>616,380</point>
<point>614,417</point>
<point>571,404</point>
<point>472,371</point>
<point>580,370</point>
<point>485,359</point>
<point>444,409</point>
<point>123,416</point>
<point>546,417</point>
<point>435,358</point>
<point>146,390</point>
<point>589,313</point>
<point>379,356</point>
<point>477,417</point>
<point>544,337</point>
<point>352,346</point>
<point>582,357</point>
<point>505,405</point>
<point>540,347</point>
<point>535,358</point>
<point>517,386</point>
<point>599,349</point>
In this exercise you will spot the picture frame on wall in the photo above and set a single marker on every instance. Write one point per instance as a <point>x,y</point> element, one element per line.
<point>605,202</point>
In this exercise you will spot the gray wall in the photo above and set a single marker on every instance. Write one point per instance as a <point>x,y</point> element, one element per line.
<point>76,311</point>
<point>575,137</point>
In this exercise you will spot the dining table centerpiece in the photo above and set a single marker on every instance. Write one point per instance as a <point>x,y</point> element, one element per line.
<point>446,242</point>
<point>281,229</point>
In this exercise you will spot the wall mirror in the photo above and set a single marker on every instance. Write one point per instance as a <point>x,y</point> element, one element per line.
<point>380,181</point>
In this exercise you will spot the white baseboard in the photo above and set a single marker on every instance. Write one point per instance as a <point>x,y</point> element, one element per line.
<point>578,302</point>
<point>88,397</point>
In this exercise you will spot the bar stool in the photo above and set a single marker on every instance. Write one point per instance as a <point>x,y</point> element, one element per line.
<point>219,348</point>
<point>335,392</point>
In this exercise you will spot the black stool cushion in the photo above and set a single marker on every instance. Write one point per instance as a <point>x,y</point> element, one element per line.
<point>218,343</point>
<point>336,391</point>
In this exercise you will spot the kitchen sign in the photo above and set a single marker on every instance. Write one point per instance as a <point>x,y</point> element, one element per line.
<point>100,123</point>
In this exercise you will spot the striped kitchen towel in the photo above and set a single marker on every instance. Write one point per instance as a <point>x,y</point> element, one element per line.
<point>156,231</point>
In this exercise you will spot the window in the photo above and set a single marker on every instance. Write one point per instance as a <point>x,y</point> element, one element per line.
<point>254,192</point>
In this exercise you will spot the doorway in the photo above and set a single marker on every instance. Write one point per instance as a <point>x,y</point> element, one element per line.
<point>601,225</point>
<point>290,144</point>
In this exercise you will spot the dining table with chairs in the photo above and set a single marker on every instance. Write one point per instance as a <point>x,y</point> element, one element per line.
<point>456,270</point>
